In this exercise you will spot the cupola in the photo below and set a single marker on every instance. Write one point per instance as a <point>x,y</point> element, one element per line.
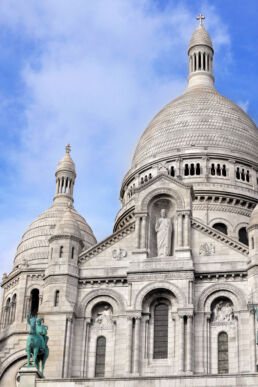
<point>65,177</point>
<point>200,52</point>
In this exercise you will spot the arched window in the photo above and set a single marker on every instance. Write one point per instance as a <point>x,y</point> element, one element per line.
<point>198,169</point>
<point>186,170</point>
<point>223,353</point>
<point>194,62</point>
<point>224,170</point>
<point>7,312</point>
<point>160,350</point>
<point>204,61</point>
<point>72,253</point>
<point>242,236</point>
<point>247,176</point>
<point>192,170</point>
<point>13,309</point>
<point>221,227</point>
<point>172,171</point>
<point>34,299</point>
<point>57,293</point>
<point>212,169</point>
<point>100,356</point>
<point>61,250</point>
<point>237,173</point>
<point>199,61</point>
<point>252,242</point>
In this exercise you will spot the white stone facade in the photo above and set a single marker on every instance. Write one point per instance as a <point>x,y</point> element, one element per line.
<point>118,312</point>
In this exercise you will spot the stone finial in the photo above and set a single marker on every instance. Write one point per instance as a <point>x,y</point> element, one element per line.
<point>4,276</point>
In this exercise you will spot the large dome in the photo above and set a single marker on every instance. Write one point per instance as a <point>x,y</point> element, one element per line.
<point>200,118</point>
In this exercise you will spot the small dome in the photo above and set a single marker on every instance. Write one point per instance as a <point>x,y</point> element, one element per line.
<point>68,225</point>
<point>66,163</point>
<point>200,37</point>
<point>254,217</point>
<point>34,246</point>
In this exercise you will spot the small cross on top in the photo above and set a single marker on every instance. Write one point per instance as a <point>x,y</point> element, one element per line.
<point>201,18</point>
<point>68,148</point>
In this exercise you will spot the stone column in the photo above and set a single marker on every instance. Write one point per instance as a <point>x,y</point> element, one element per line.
<point>181,344</point>
<point>85,349</point>
<point>143,233</point>
<point>189,344</point>
<point>137,345</point>
<point>187,229</point>
<point>179,229</point>
<point>69,321</point>
<point>137,231</point>
<point>129,345</point>
<point>253,342</point>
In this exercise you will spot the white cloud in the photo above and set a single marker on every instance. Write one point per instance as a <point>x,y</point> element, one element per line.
<point>97,74</point>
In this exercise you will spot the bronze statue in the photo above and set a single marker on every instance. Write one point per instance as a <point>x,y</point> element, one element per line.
<point>36,345</point>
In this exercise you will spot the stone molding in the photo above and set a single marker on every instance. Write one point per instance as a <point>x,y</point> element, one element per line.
<point>106,243</point>
<point>222,287</point>
<point>90,282</point>
<point>183,275</point>
<point>219,236</point>
<point>219,207</point>
<point>143,206</point>
<point>180,296</point>
<point>81,308</point>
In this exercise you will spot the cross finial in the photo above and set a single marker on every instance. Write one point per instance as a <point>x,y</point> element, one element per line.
<point>201,18</point>
<point>68,148</point>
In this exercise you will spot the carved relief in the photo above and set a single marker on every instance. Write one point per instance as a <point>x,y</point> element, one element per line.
<point>207,249</point>
<point>102,316</point>
<point>222,311</point>
<point>119,254</point>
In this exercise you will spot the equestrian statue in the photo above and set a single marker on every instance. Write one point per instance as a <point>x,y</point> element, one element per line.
<point>36,345</point>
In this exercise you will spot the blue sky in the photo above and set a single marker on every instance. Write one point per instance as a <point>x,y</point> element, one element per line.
<point>94,73</point>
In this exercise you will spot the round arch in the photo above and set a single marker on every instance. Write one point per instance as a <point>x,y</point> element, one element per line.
<point>181,299</point>
<point>224,221</point>
<point>221,290</point>
<point>161,191</point>
<point>98,295</point>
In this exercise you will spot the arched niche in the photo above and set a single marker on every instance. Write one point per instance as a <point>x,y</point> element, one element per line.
<point>156,204</point>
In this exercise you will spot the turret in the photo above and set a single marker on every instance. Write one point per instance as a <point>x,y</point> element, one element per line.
<point>200,52</point>
<point>65,178</point>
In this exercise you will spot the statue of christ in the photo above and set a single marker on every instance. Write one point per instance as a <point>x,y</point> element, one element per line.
<point>163,229</point>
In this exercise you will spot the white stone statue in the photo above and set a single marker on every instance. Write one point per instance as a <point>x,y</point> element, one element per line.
<point>223,311</point>
<point>105,316</point>
<point>163,229</point>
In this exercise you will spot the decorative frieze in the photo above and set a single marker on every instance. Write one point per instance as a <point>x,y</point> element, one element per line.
<point>92,282</point>
<point>184,275</point>
<point>230,276</point>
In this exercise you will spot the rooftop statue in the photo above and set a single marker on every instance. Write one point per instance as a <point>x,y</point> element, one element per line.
<point>36,345</point>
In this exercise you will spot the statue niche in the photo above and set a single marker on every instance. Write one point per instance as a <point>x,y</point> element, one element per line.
<point>161,230</point>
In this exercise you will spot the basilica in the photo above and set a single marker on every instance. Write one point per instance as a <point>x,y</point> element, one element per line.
<point>170,298</point>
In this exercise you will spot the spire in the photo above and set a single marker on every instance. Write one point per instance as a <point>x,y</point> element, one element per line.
<point>200,52</point>
<point>65,177</point>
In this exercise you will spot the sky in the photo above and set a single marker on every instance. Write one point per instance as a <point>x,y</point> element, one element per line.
<point>94,73</point>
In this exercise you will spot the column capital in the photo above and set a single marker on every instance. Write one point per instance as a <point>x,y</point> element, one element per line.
<point>185,312</point>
